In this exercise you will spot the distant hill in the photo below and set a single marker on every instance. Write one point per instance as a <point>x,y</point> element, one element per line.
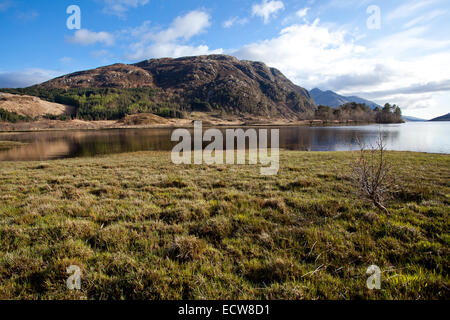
<point>32,107</point>
<point>412,119</point>
<point>334,100</point>
<point>442,118</point>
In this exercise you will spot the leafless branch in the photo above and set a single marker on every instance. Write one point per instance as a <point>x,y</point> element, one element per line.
<point>372,173</point>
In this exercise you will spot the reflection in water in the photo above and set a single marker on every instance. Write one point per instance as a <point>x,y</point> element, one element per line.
<point>422,137</point>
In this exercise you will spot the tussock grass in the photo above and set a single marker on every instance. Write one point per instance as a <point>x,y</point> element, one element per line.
<point>140,227</point>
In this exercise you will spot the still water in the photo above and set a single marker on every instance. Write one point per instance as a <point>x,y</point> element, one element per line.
<point>431,137</point>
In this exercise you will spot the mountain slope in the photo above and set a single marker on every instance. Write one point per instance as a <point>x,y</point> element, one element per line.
<point>442,118</point>
<point>334,100</point>
<point>203,83</point>
<point>32,106</point>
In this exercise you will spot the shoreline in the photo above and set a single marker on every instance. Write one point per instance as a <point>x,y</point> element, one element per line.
<point>80,125</point>
<point>162,153</point>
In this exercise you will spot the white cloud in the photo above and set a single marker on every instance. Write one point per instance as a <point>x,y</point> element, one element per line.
<point>120,7</point>
<point>410,42</point>
<point>266,9</point>
<point>234,21</point>
<point>403,68</point>
<point>305,52</point>
<point>171,42</point>
<point>26,78</point>
<point>185,27</point>
<point>86,37</point>
<point>302,12</point>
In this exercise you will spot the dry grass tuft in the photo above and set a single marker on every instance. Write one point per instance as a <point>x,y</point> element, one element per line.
<point>187,248</point>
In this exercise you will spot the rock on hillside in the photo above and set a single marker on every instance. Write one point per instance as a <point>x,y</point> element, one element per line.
<point>202,83</point>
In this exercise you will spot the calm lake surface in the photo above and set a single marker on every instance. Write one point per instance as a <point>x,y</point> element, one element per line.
<point>431,137</point>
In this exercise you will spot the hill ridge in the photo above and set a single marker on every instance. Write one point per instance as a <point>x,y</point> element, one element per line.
<point>445,117</point>
<point>334,100</point>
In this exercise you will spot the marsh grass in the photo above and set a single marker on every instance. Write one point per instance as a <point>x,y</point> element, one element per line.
<point>140,227</point>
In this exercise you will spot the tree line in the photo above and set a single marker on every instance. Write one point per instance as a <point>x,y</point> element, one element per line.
<point>360,112</point>
<point>103,103</point>
<point>7,116</point>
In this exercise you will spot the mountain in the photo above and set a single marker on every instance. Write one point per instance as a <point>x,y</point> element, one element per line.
<point>442,118</point>
<point>334,100</point>
<point>412,119</point>
<point>202,83</point>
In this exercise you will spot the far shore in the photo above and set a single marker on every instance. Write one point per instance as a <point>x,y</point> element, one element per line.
<point>57,125</point>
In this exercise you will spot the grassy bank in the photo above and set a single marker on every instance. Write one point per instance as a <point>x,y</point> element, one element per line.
<point>142,228</point>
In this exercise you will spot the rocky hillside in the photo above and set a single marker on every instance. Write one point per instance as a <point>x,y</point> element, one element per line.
<point>203,83</point>
<point>32,107</point>
<point>115,76</point>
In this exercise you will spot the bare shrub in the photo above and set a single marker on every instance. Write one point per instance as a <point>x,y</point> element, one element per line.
<point>372,173</point>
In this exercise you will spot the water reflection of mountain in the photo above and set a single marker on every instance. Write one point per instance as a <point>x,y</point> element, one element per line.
<point>422,137</point>
<point>53,145</point>
<point>39,150</point>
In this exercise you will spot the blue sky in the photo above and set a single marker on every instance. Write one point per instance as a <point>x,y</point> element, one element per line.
<point>403,57</point>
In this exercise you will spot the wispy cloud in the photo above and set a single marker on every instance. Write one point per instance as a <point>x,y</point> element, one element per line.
<point>424,18</point>
<point>267,9</point>
<point>86,37</point>
<point>120,7</point>
<point>28,15</point>
<point>100,54</point>
<point>417,88</point>
<point>408,9</point>
<point>5,5</point>
<point>66,60</point>
<point>235,21</point>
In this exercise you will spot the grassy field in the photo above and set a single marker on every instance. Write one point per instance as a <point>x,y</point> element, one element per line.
<point>140,227</point>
